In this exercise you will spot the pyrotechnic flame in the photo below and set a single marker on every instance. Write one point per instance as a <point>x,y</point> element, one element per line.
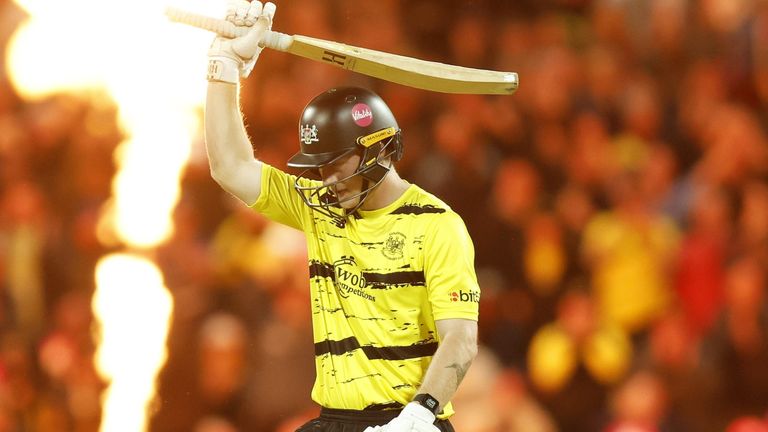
<point>133,335</point>
<point>154,72</point>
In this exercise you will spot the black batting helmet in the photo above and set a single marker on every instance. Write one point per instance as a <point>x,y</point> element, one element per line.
<point>339,122</point>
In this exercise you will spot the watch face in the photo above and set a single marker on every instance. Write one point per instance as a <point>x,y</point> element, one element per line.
<point>427,401</point>
<point>431,404</point>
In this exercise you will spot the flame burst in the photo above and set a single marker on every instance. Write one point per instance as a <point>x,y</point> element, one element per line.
<point>153,71</point>
<point>133,336</point>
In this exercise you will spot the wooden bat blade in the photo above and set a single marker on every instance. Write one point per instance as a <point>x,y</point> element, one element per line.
<point>409,71</point>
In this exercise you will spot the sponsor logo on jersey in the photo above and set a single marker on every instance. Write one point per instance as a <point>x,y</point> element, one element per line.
<point>349,279</point>
<point>465,296</point>
<point>308,134</point>
<point>393,246</point>
<point>362,114</point>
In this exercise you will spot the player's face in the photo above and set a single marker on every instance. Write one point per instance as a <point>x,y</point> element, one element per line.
<point>337,175</point>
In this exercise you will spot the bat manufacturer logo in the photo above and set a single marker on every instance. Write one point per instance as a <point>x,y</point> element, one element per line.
<point>335,58</point>
<point>308,134</point>
<point>393,246</point>
<point>362,114</point>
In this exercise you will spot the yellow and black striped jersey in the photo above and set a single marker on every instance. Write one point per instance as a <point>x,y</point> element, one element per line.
<point>377,286</point>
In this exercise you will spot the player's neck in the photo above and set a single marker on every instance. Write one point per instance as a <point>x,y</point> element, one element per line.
<point>390,189</point>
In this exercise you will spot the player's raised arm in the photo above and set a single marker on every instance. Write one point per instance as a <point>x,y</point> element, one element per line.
<point>230,152</point>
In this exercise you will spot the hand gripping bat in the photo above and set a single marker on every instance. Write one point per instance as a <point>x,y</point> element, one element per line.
<point>409,71</point>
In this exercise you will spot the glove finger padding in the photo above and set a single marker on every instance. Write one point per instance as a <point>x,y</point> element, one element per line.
<point>419,426</point>
<point>254,12</point>
<point>231,10</point>
<point>230,58</point>
<point>413,418</point>
<point>418,418</point>
<point>397,424</point>
<point>248,46</point>
<point>241,11</point>
<point>269,11</point>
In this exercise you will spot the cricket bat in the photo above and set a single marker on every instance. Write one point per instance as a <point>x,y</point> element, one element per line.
<point>408,71</point>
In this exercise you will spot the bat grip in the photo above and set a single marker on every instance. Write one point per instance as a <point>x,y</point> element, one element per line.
<point>271,39</point>
<point>276,40</point>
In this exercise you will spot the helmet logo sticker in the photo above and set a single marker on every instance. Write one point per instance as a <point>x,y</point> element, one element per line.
<point>362,114</point>
<point>308,134</point>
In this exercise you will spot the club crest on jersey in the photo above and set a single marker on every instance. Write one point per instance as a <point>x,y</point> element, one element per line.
<point>349,279</point>
<point>308,134</point>
<point>362,115</point>
<point>393,246</point>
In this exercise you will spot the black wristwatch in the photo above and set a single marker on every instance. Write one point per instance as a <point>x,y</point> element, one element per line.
<point>427,401</point>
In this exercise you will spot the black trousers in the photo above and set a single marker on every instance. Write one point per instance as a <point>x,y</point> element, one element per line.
<point>339,420</point>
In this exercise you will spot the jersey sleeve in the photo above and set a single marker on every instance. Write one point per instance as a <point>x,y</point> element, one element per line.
<point>449,269</point>
<point>279,201</point>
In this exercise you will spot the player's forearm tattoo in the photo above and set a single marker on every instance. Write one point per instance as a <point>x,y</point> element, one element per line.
<point>461,370</point>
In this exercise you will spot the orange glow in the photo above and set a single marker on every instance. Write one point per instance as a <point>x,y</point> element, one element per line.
<point>153,71</point>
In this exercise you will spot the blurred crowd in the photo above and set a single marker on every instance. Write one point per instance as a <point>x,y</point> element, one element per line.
<point>618,203</point>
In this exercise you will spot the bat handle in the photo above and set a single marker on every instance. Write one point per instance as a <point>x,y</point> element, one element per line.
<point>276,40</point>
<point>271,39</point>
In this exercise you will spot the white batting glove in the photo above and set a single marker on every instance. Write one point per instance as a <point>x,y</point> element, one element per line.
<point>413,418</point>
<point>232,59</point>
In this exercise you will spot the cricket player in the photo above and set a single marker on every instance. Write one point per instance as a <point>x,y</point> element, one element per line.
<point>393,287</point>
